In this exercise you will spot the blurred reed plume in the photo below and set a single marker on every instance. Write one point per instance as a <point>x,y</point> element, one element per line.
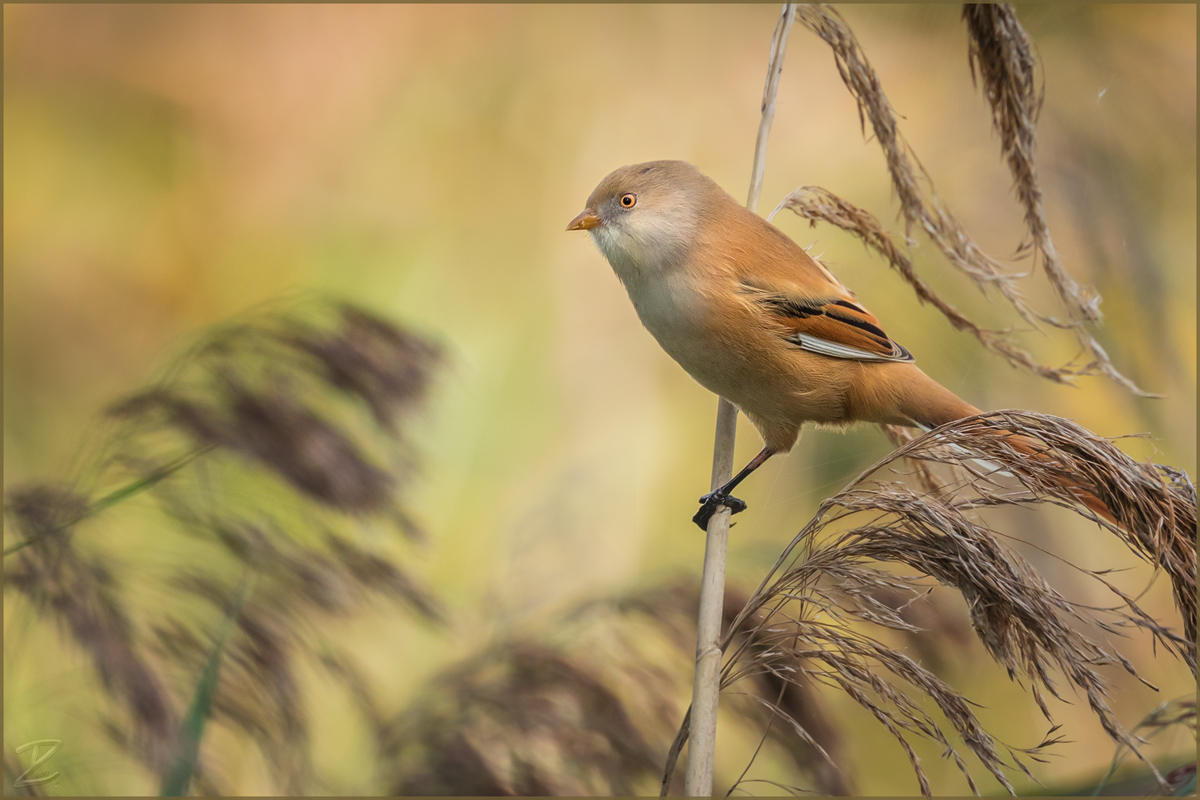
<point>81,593</point>
<point>521,719</point>
<point>584,707</point>
<point>834,573</point>
<point>275,447</point>
<point>1000,50</point>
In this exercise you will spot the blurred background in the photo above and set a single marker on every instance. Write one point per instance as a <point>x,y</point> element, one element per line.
<point>167,167</point>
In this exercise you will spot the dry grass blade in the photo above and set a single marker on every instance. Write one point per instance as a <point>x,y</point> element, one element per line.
<point>922,209</point>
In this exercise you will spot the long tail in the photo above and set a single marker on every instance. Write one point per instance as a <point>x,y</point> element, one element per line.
<point>927,404</point>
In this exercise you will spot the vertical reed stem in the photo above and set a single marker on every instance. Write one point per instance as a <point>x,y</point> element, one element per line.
<point>706,686</point>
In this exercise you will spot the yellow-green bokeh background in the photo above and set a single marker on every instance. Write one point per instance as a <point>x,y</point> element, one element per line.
<point>168,166</point>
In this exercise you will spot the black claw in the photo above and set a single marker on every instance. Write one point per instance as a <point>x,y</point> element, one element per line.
<point>711,502</point>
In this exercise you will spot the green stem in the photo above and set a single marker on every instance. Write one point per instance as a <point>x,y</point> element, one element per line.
<point>178,776</point>
<point>111,499</point>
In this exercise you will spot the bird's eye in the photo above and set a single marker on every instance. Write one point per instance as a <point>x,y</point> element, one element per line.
<point>628,200</point>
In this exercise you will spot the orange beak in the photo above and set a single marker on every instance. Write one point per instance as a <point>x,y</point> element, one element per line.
<point>586,220</point>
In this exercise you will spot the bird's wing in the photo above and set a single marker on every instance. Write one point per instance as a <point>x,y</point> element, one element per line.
<point>797,296</point>
<point>817,313</point>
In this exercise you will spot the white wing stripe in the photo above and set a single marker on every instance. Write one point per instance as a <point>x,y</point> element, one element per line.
<point>828,348</point>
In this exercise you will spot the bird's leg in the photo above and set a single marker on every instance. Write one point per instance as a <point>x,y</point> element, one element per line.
<point>721,497</point>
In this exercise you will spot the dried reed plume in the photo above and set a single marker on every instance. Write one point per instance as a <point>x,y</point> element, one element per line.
<point>278,443</point>
<point>794,626</point>
<point>1001,54</point>
<point>1000,47</point>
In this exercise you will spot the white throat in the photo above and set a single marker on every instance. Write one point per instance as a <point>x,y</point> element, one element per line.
<point>647,245</point>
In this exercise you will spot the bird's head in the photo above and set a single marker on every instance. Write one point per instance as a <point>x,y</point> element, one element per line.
<point>645,217</point>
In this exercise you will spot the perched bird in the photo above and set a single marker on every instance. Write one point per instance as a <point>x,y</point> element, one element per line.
<point>751,316</point>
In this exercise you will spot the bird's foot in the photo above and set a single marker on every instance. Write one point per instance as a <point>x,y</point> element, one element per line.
<point>711,503</point>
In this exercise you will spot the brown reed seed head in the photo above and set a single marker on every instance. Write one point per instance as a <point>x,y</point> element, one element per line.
<point>1000,49</point>
<point>1024,624</point>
